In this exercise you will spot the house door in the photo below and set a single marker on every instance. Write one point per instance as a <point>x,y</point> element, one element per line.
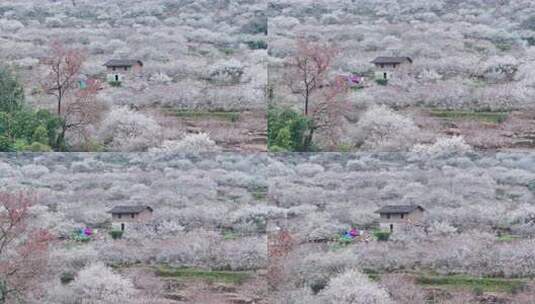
<point>116,78</point>
<point>122,226</point>
<point>384,76</point>
<point>391,228</point>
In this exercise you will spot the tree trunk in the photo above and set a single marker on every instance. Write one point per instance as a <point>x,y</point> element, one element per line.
<point>3,292</point>
<point>59,104</point>
<point>306,103</point>
<point>60,141</point>
<point>308,140</point>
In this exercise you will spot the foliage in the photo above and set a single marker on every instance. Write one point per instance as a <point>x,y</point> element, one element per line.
<point>286,130</point>
<point>115,83</point>
<point>116,234</point>
<point>482,284</point>
<point>227,115</point>
<point>381,81</point>
<point>491,117</point>
<point>229,277</point>
<point>257,44</point>
<point>26,130</point>
<point>11,92</point>
<point>67,277</point>
<point>382,236</point>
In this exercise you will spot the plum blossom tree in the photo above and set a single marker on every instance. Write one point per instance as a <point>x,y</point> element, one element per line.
<point>64,65</point>
<point>353,287</point>
<point>97,283</point>
<point>191,143</point>
<point>323,98</point>
<point>76,105</point>
<point>23,249</point>
<point>309,69</point>
<point>444,146</point>
<point>126,130</point>
<point>383,129</point>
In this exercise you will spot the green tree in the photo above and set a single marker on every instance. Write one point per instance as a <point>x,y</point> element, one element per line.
<point>287,129</point>
<point>11,92</point>
<point>19,130</point>
<point>5,144</point>
<point>40,135</point>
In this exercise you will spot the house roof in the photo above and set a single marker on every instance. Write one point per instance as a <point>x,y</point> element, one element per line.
<point>129,209</point>
<point>122,62</point>
<point>385,59</point>
<point>399,209</point>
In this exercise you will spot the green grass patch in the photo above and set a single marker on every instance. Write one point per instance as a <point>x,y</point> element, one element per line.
<point>469,282</point>
<point>223,115</point>
<point>372,274</point>
<point>485,116</point>
<point>229,277</point>
<point>508,238</point>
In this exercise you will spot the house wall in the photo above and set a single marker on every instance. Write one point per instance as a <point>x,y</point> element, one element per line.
<point>390,69</point>
<point>395,218</point>
<point>127,218</point>
<point>416,216</point>
<point>396,221</point>
<point>122,74</point>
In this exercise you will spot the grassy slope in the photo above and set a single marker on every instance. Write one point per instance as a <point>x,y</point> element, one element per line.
<point>490,117</point>
<point>230,277</point>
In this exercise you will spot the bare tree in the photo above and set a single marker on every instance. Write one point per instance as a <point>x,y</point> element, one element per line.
<point>323,98</point>
<point>76,105</point>
<point>328,110</point>
<point>23,250</point>
<point>280,245</point>
<point>64,67</point>
<point>81,110</point>
<point>309,68</point>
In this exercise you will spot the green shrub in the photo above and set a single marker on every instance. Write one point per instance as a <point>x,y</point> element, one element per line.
<point>344,147</point>
<point>11,92</point>
<point>40,135</point>
<point>257,25</point>
<point>234,117</point>
<point>26,130</point>
<point>381,81</point>
<point>382,236</point>
<point>6,145</point>
<point>287,130</point>
<point>116,234</point>
<point>478,290</point>
<point>114,83</point>
<point>39,147</point>
<point>67,277</point>
<point>21,145</point>
<point>257,44</point>
<point>227,50</point>
<point>81,238</point>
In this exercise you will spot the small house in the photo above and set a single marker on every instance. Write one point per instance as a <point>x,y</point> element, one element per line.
<point>393,216</point>
<point>386,67</point>
<point>118,69</point>
<point>130,215</point>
